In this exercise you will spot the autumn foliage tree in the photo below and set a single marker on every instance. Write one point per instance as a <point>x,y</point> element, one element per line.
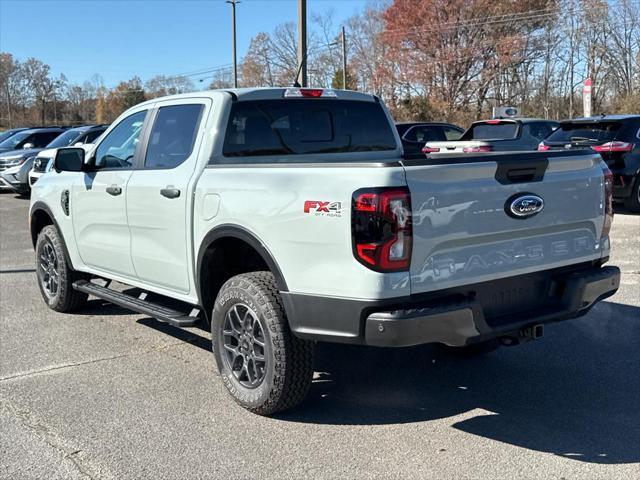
<point>445,52</point>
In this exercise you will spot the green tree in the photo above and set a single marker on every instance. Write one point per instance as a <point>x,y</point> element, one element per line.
<point>337,80</point>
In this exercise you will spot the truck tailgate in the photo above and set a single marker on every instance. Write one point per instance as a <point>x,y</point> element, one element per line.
<point>464,230</point>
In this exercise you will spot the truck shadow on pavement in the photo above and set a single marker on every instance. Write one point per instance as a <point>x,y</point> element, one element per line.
<point>574,393</point>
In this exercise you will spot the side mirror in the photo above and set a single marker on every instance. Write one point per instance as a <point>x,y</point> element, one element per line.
<point>69,159</point>
<point>77,144</point>
<point>28,146</point>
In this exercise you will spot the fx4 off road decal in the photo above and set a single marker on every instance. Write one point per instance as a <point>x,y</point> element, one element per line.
<point>317,207</point>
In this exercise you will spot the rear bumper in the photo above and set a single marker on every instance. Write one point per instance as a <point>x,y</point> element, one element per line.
<point>461,317</point>
<point>624,179</point>
<point>465,323</point>
<point>623,186</point>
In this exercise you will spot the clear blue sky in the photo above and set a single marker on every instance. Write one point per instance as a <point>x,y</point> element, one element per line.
<point>119,39</point>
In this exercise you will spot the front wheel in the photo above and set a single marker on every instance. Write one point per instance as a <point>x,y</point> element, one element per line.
<point>265,368</point>
<point>55,275</point>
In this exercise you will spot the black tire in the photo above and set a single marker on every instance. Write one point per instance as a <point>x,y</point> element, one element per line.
<point>58,294</point>
<point>249,312</point>
<point>633,202</point>
<point>475,349</point>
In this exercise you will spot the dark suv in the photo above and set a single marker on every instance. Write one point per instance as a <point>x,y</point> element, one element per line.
<point>30,139</point>
<point>617,139</point>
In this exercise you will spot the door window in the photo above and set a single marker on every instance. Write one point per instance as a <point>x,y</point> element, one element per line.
<point>173,135</point>
<point>539,130</point>
<point>452,134</point>
<point>118,148</point>
<point>425,133</point>
<point>91,136</point>
<point>41,140</point>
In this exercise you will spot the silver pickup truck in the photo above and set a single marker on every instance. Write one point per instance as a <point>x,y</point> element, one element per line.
<point>284,216</point>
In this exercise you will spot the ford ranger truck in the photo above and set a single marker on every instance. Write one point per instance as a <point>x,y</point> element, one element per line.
<point>282,217</point>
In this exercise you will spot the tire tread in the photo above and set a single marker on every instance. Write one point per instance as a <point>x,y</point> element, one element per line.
<point>293,369</point>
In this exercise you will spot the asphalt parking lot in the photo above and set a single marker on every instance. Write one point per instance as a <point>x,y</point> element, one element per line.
<point>111,394</point>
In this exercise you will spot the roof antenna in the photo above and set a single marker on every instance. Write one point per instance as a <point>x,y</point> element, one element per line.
<point>295,80</point>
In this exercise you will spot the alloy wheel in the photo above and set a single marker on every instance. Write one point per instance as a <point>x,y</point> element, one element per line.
<point>49,272</point>
<point>244,345</point>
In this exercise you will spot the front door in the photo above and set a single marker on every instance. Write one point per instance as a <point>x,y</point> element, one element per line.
<point>159,196</point>
<point>99,201</point>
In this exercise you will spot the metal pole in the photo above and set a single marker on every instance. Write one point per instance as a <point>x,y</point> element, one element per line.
<point>302,42</point>
<point>344,60</point>
<point>235,63</point>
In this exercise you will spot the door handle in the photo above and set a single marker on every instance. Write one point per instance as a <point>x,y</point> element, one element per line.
<point>114,190</point>
<point>170,192</point>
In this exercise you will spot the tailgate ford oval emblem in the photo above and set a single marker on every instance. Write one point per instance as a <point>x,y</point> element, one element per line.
<point>524,205</point>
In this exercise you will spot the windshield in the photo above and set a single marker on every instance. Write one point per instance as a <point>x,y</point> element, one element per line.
<point>306,126</point>
<point>14,140</point>
<point>491,131</point>
<point>65,139</point>
<point>589,133</point>
<point>6,134</point>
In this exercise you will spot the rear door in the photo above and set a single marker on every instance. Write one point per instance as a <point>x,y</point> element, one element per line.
<point>465,231</point>
<point>159,193</point>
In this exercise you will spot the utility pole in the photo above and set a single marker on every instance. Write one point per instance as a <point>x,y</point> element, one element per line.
<point>233,4</point>
<point>344,60</point>
<point>302,43</point>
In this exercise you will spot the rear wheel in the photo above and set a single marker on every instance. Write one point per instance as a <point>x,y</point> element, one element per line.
<point>265,368</point>
<point>633,202</point>
<point>55,275</point>
<point>475,349</point>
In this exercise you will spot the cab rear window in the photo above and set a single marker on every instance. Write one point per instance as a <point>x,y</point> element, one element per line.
<point>306,126</point>
<point>491,131</point>
<point>589,133</point>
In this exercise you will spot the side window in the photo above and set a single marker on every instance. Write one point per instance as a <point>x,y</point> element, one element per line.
<point>118,148</point>
<point>452,134</point>
<point>539,131</point>
<point>173,135</point>
<point>91,136</point>
<point>425,134</point>
<point>41,140</point>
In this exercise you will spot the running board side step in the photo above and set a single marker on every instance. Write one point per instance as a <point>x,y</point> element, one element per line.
<point>159,312</point>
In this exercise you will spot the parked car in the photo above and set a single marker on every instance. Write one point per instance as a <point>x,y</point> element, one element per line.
<point>285,216</point>
<point>497,135</point>
<point>18,163</point>
<point>617,139</point>
<point>415,135</point>
<point>30,139</point>
<point>42,161</point>
<point>8,133</point>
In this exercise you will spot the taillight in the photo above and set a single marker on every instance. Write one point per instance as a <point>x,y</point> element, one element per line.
<point>613,147</point>
<point>430,150</point>
<point>309,92</point>
<point>381,228</point>
<point>608,201</point>
<point>542,147</point>
<point>478,149</point>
